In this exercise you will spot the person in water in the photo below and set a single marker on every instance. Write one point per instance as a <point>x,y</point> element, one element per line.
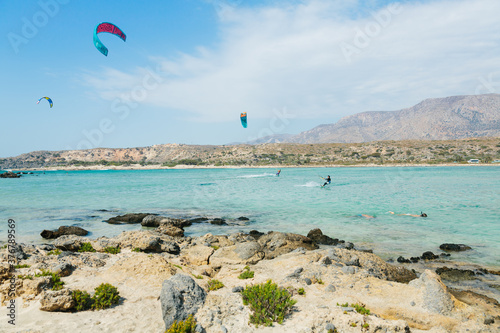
<point>414,215</point>
<point>366,215</point>
<point>328,180</point>
<point>278,173</point>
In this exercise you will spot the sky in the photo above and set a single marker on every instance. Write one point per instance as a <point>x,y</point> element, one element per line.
<point>188,68</point>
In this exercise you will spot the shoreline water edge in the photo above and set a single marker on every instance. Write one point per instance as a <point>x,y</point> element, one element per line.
<point>330,279</point>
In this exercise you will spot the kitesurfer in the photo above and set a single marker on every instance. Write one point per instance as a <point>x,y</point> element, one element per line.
<point>328,180</point>
<point>414,215</point>
<point>278,173</point>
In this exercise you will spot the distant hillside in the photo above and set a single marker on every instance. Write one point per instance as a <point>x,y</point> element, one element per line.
<point>447,118</point>
<point>268,154</point>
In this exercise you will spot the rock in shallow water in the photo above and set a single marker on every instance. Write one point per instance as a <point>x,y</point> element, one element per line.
<point>454,247</point>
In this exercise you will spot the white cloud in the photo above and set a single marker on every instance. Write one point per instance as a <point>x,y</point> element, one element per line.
<point>322,58</point>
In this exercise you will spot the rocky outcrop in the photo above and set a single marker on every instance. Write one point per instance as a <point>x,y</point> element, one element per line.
<point>9,174</point>
<point>170,230</point>
<point>454,247</point>
<point>277,243</point>
<point>69,242</point>
<point>319,238</point>
<point>60,300</point>
<point>132,218</point>
<point>156,221</point>
<point>180,297</point>
<point>198,255</point>
<point>64,230</point>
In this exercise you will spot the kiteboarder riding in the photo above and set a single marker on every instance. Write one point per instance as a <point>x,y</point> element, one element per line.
<point>328,180</point>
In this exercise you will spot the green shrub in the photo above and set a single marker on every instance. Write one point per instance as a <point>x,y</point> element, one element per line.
<point>214,285</point>
<point>215,247</point>
<point>82,300</point>
<point>112,250</point>
<point>21,266</point>
<point>55,252</point>
<point>268,302</point>
<point>136,249</point>
<point>361,309</point>
<point>365,325</point>
<point>86,247</point>
<point>186,326</point>
<point>105,296</point>
<point>301,291</point>
<point>246,274</point>
<point>24,277</point>
<point>199,277</point>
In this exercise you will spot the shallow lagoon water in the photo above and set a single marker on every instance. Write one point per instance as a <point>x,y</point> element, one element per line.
<point>462,203</point>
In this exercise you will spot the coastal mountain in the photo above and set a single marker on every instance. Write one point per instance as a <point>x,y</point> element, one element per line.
<point>449,118</point>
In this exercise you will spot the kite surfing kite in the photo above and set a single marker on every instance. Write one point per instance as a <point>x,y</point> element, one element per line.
<point>110,28</point>
<point>243,118</point>
<point>48,99</point>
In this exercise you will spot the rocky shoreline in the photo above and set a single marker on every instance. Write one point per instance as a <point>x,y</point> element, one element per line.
<point>158,271</point>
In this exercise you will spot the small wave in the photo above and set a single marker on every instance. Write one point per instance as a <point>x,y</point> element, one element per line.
<point>206,184</point>
<point>258,175</point>
<point>309,184</point>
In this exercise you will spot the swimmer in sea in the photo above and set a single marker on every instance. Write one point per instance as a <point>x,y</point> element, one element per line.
<point>414,215</point>
<point>366,215</point>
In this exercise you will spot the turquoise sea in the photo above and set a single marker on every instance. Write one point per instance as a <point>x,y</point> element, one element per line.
<point>462,203</point>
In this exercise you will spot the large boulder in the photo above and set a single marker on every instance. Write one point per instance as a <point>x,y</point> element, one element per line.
<point>64,230</point>
<point>131,218</point>
<point>146,242</point>
<point>60,300</point>
<point>180,297</point>
<point>433,293</point>
<point>170,230</point>
<point>9,174</point>
<point>247,253</point>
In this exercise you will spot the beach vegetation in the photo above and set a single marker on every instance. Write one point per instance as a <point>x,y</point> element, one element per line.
<point>55,279</point>
<point>112,250</point>
<point>24,277</point>
<point>215,247</point>
<point>136,249</point>
<point>21,266</point>
<point>54,252</point>
<point>365,326</point>
<point>214,285</point>
<point>183,326</point>
<point>268,302</point>
<point>301,291</point>
<point>199,277</point>
<point>360,309</point>
<point>353,324</point>
<point>246,274</point>
<point>86,247</point>
<point>105,296</point>
<point>82,299</point>
<point>179,267</point>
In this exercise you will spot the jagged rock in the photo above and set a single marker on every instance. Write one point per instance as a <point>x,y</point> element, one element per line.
<point>131,218</point>
<point>35,286</point>
<point>170,230</point>
<point>243,218</point>
<point>69,242</point>
<point>454,247</point>
<point>327,261</point>
<point>156,221</point>
<point>60,300</point>
<point>435,296</point>
<point>64,230</point>
<point>317,236</point>
<point>63,269</point>
<point>4,271</point>
<point>180,297</point>
<point>198,220</point>
<point>198,255</point>
<point>277,243</point>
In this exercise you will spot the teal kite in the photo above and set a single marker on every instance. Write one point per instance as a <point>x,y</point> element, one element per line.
<point>110,28</point>
<point>48,99</point>
<point>243,118</point>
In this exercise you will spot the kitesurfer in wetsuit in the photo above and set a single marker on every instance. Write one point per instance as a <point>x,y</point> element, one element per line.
<point>328,180</point>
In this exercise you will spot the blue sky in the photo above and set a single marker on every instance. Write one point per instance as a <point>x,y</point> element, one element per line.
<point>189,67</point>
